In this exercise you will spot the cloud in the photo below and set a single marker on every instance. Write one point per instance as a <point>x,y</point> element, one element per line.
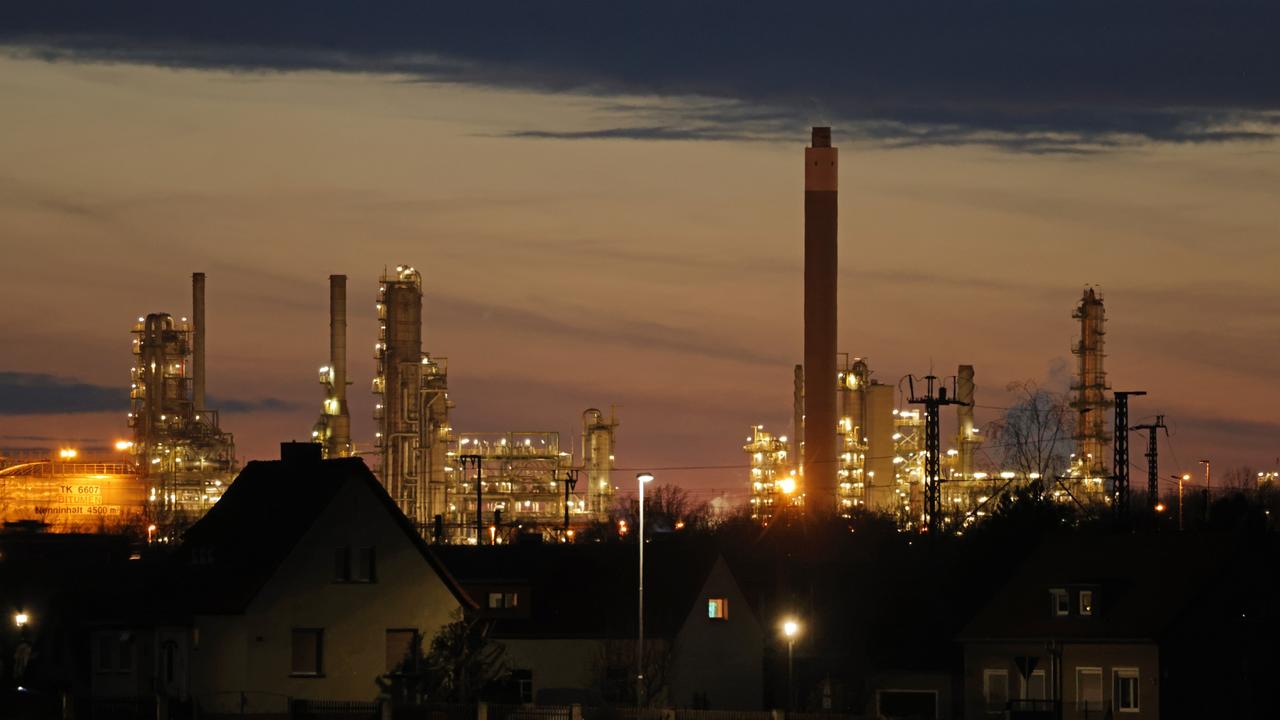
<point>38,393</point>
<point>1055,76</point>
<point>593,328</point>
<point>23,393</point>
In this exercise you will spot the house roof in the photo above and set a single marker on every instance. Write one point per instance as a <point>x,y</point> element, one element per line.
<point>1142,585</point>
<point>230,554</point>
<point>589,590</point>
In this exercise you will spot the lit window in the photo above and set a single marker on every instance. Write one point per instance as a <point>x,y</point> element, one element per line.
<point>1126,695</point>
<point>307,652</point>
<point>1089,689</point>
<point>995,690</point>
<point>1061,602</point>
<point>503,600</point>
<point>1086,602</point>
<point>718,608</point>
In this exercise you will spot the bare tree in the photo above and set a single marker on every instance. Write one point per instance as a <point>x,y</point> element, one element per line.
<point>666,508</point>
<point>1034,436</point>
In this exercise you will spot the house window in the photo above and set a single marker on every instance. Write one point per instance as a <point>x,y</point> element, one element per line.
<point>1033,687</point>
<point>1086,602</point>
<point>342,565</point>
<point>106,653</point>
<point>126,654</point>
<point>367,567</point>
<point>115,653</point>
<point>503,600</point>
<point>1126,695</point>
<point>523,680</point>
<point>1089,689</point>
<point>995,689</point>
<point>718,608</point>
<point>400,643</point>
<point>308,652</point>
<point>1060,602</point>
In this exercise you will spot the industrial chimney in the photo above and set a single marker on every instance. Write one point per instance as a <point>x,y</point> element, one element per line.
<point>197,341</point>
<point>966,434</point>
<point>339,442</point>
<point>820,266</point>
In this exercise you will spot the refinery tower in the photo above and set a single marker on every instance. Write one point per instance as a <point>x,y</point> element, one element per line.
<point>820,268</point>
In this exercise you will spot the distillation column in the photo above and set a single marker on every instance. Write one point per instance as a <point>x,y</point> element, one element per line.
<point>820,272</point>
<point>1090,388</point>
<point>333,430</point>
<point>197,340</point>
<point>967,440</point>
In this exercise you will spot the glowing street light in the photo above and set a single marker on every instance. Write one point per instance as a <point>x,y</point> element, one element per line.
<point>790,629</point>
<point>21,619</point>
<point>641,480</point>
<point>67,454</point>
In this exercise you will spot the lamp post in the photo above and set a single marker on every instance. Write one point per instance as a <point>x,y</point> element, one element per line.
<point>21,619</point>
<point>641,479</point>
<point>1208,489</point>
<point>790,629</point>
<point>1181,479</point>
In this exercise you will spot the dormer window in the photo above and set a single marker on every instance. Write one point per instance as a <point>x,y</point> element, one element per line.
<point>1060,602</point>
<point>1086,602</point>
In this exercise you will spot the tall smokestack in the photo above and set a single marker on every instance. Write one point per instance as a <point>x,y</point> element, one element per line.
<point>797,421</point>
<point>339,440</point>
<point>197,341</point>
<point>820,265</point>
<point>965,437</point>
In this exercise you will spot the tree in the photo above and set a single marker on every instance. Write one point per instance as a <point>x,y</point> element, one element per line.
<point>666,508</point>
<point>461,665</point>
<point>1034,436</point>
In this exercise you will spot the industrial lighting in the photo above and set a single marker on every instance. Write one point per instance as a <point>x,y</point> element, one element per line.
<point>21,619</point>
<point>67,453</point>
<point>1159,507</point>
<point>123,445</point>
<point>787,485</point>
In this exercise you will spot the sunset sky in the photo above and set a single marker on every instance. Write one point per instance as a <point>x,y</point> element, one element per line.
<point>606,206</point>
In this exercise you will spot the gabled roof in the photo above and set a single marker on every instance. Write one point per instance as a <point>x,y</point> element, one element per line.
<point>590,590</point>
<point>230,554</point>
<point>1142,583</point>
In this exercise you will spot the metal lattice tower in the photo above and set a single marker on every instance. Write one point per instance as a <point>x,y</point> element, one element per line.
<point>932,448</point>
<point>1153,460</point>
<point>1120,480</point>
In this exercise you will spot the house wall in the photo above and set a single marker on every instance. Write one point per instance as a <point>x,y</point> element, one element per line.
<point>557,663</point>
<point>1108,657</point>
<point>719,660</point>
<point>252,653</point>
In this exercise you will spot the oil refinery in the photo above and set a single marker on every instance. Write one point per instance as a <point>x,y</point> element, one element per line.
<point>855,443</point>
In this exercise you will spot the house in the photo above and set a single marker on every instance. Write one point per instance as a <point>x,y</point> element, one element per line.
<point>1123,626</point>
<point>305,581</point>
<point>567,617</point>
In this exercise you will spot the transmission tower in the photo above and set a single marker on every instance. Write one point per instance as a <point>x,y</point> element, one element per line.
<point>1153,473</point>
<point>932,447</point>
<point>1120,465</point>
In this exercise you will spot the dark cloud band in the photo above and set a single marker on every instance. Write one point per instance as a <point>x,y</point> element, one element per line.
<point>41,394</point>
<point>1057,76</point>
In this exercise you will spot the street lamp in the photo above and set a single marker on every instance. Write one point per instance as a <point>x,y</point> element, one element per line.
<point>21,619</point>
<point>641,480</point>
<point>790,629</point>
